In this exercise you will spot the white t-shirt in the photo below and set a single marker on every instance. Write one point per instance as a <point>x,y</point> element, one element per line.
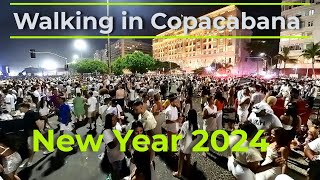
<point>9,99</point>
<point>20,93</point>
<point>132,95</point>
<point>315,145</point>
<point>78,90</point>
<point>37,94</point>
<point>115,110</point>
<point>113,154</point>
<point>68,89</point>
<point>92,101</point>
<point>265,123</point>
<point>210,124</point>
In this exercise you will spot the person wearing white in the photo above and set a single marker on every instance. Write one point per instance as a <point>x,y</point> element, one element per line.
<point>9,100</point>
<point>187,142</point>
<point>115,156</point>
<point>172,118</point>
<point>245,165</point>
<point>257,96</point>
<point>243,106</point>
<point>209,116</point>
<point>92,103</point>
<point>262,119</point>
<point>312,151</point>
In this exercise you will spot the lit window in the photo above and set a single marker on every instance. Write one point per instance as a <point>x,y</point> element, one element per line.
<point>310,23</point>
<point>311,12</point>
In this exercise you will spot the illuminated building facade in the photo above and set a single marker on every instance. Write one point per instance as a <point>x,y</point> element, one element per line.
<point>195,53</point>
<point>309,26</point>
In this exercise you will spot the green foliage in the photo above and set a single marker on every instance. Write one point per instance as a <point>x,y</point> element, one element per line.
<point>118,65</point>
<point>312,52</point>
<point>90,66</point>
<point>136,62</point>
<point>165,65</point>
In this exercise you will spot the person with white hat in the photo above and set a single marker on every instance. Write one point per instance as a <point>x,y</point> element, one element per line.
<point>262,119</point>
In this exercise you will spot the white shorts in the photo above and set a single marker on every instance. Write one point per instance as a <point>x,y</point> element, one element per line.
<point>69,127</point>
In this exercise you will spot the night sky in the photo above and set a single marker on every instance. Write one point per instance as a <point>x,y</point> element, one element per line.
<point>15,53</point>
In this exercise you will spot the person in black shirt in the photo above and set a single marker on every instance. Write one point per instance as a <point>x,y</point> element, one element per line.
<point>29,119</point>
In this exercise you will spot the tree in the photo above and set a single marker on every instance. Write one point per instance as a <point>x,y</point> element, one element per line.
<point>160,65</point>
<point>138,62</point>
<point>284,56</point>
<point>118,65</point>
<point>90,66</point>
<point>311,53</point>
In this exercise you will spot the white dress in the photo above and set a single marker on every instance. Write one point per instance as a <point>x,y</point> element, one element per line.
<point>187,143</point>
<point>271,173</point>
<point>210,124</point>
<point>243,111</point>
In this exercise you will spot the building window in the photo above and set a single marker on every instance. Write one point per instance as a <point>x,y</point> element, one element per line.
<point>310,23</point>
<point>229,42</point>
<point>221,49</point>
<point>229,60</point>
<point>311,12</point>
<point>302,24</point>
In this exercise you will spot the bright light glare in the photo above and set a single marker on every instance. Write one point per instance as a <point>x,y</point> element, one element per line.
<point>263,73</point>
<point>80,44</point>
<point>13,73</point>
<point>262,54</point>
<point>73,62</point>
<point>75,57</point>
<point>208,69</point>
<point>49,65</point>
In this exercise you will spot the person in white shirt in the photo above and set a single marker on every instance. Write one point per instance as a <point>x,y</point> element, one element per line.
<point>244,105</point>
<point>312,151</point>
<point>92,109</point>
<point>187,142</point>
<point>68,91</point>
<point>172,118</point>
<point>262,119</point>
<point>257,96</point>
<point>312,94</point>
<point>115,156</point>
<point>103,110</point>
<point>9,100</point>
<point>36,94</point>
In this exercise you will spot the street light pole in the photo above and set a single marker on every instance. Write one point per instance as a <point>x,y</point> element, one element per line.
<point>108,41</point>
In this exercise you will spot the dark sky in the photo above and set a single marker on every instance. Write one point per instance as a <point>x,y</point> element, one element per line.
<point>15,53</point>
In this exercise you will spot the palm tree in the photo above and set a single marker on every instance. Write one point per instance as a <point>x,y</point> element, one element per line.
<point>284,56</point>
<point>311,53</point>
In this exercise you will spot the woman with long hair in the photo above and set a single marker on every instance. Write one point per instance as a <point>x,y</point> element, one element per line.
<point>187,142</point>
<point>114,155</point>
<point>144,167</point>
<point>44,110</point>
<point>279,147</point>
<point>291,121</point>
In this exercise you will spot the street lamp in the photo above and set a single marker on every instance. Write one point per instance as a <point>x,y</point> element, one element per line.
<point>265,55</point>
<point>75,57</point>
<point>49,64</point>
<point>80,45</point>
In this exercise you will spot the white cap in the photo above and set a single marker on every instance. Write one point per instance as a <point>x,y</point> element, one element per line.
<point>259,107</point>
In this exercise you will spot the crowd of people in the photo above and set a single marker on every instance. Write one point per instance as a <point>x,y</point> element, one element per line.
<point>166,105</point>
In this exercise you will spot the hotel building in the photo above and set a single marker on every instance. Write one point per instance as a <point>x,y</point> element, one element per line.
<point>309,26</point>
<point>122,47</point>
<point>195,53</point>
